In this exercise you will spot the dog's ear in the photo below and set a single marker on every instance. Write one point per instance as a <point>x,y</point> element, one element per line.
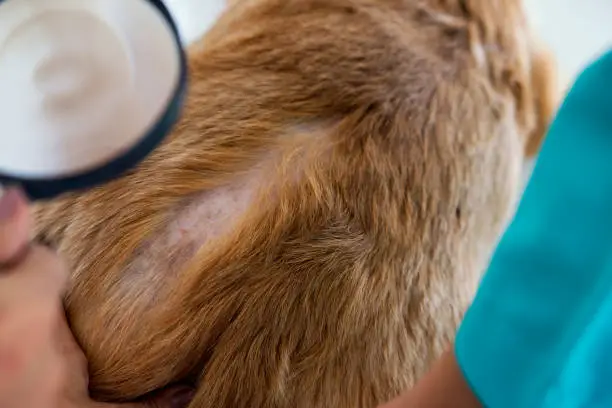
<point>546,95</point>
<point>503,45</point>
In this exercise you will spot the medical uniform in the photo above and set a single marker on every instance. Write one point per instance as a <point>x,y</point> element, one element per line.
<point>539,333</point>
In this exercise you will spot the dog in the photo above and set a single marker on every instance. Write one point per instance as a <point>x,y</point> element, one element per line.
<point>314,228</point>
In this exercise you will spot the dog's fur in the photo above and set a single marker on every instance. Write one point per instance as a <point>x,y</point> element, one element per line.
<point>316,225</point>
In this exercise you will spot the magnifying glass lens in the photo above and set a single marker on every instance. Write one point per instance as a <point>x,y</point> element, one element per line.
<point>88,89</point>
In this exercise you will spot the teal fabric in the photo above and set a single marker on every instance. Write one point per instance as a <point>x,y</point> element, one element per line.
<point>539,333</point>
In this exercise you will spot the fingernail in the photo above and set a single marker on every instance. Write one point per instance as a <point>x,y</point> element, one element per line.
<point>181,398</point>
<point>9,203</point>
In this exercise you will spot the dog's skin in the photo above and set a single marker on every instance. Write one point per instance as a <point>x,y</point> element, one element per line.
<point>313,230</point>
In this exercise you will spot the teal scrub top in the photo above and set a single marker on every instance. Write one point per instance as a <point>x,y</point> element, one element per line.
<point>539,332</point>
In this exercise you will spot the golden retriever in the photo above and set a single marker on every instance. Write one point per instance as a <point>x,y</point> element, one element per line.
<point>313,230</point>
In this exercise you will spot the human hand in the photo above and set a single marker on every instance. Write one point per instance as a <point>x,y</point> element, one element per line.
<point>32,279</point>
<point>41,364</point>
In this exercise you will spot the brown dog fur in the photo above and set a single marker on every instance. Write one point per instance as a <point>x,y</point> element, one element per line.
<point>373,153</point>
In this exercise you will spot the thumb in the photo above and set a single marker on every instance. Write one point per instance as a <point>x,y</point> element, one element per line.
<point>14,225</point>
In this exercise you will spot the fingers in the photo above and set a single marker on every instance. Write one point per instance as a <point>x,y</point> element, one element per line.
<point>25,271</point>
<point>14,225</point>
<point>74,359</point>
<point>26,351</point>
<point>32,280</point>
<point>40,277</point>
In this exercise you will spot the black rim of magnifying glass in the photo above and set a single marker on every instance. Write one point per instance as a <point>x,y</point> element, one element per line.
<point>42,189</point>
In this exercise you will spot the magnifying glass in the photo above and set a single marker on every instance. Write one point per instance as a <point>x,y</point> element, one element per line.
<point>88,88</point>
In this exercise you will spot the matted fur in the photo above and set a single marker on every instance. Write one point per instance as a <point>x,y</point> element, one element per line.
<point>365,155</point>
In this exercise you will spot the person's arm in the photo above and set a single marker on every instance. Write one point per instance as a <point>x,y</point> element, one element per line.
<point>443,387</point>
